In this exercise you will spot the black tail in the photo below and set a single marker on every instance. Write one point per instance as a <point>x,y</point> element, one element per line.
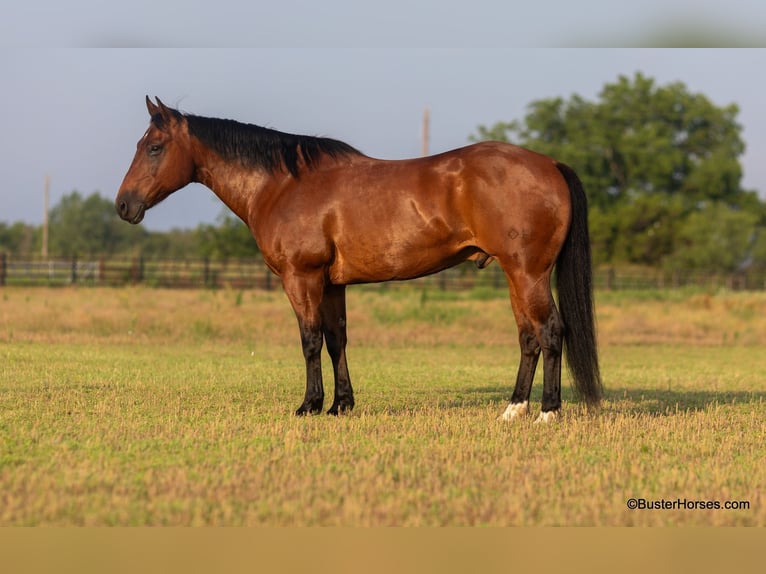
<point>575,290</point>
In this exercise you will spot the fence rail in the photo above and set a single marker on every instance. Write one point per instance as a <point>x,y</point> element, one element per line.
<point>254,274</point>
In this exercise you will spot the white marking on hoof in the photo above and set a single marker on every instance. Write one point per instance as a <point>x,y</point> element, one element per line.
<point>515,411</point>
<point>548,417</point>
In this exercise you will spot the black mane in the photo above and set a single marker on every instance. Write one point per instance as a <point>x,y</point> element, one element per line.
<point>263,147</point>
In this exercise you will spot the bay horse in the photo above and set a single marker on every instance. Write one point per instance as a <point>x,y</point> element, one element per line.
<point>324,216</point>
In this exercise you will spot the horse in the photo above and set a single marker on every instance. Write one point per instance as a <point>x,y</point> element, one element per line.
<point>325,216</point>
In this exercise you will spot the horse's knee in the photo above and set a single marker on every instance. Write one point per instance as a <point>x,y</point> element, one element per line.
<point>311,341</point>
<point>528,342</point>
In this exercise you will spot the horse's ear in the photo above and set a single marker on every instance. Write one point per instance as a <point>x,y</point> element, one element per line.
<point>153,109</point>
<point>168,115</point>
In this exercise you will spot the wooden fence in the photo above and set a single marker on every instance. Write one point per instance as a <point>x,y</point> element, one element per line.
<point>253,274</point>
<point>180,273</point>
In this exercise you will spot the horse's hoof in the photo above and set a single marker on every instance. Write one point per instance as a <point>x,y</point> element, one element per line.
<point>343,406</point>
<point>548,416</point>
<point>515,411</point>
<point>308,409</point>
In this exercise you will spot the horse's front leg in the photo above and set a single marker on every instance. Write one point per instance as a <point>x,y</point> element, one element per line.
<point>305,294</point>
<point>333,311</point>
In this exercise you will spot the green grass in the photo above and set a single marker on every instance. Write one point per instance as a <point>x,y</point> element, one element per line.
<point>154,407</point>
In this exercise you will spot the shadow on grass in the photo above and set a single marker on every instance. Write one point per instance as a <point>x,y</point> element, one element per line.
<point>661,402</point>
<point>628,401</point>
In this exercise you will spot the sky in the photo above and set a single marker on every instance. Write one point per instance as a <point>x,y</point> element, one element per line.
<point>376,24</point>
<point>73,108</point>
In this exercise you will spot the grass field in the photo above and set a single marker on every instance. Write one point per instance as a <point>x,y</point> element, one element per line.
<point>156,407</point>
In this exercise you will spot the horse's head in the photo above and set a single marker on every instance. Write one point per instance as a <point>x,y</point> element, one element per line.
<point>163,163</point>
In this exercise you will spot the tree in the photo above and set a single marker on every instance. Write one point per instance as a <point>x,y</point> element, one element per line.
<point>229,238</point>
<point>19,238</point>
<point>649,157</point>
<point>637,138</point>
<point>717,237</point>
<point>87,226</point>
<point>172,244</point>
<point>646,228</point>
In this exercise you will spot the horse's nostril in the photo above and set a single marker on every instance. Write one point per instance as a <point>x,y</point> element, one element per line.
<point>123,208</point>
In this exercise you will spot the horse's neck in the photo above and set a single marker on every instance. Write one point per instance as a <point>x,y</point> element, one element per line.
<point>236,185</point>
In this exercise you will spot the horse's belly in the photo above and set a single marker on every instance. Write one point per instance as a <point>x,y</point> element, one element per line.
<point>406,241</point>
<point>392,264</point>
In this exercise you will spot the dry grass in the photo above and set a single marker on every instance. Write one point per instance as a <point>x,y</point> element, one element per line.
<point>685,318</point>
<point>152,407</point>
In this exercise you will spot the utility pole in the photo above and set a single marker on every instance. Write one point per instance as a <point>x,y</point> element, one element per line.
<point>46,198</point>
<point>426,131</point>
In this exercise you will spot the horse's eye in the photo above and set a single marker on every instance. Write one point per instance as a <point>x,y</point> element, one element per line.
<point>155,149</point>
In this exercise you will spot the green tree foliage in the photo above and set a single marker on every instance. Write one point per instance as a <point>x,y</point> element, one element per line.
<point>716,237</point>
<point>19,238</point>
<point>658,162</point>
<point>644,229</point>
<point>88,226</point>
<point>229,238</point>
<point>173,244</point>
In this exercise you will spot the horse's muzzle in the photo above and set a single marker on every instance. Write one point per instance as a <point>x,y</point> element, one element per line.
<point>131,211</point>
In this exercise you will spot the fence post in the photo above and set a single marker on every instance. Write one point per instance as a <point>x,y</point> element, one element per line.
<point>137,270</point>
<point>3,268</point>
<point>611,279</point>
<point>73,274</point>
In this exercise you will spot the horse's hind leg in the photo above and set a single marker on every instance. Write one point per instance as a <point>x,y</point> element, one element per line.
<point>333,312</point>
<point>551,339</point>
<point>530,353</point>
<point>540,329</point>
